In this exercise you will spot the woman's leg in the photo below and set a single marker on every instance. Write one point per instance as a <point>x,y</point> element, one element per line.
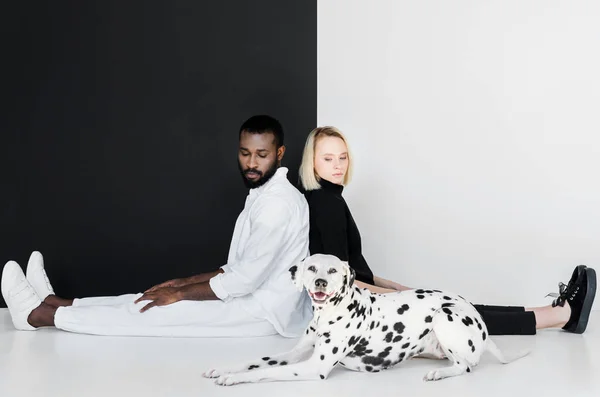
<point>569,311</point>
<point>515,320</point>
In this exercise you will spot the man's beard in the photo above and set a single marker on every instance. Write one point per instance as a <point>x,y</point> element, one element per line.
<point>264,178</point>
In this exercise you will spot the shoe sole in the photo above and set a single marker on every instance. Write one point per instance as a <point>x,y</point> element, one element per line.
<point>587,302</point>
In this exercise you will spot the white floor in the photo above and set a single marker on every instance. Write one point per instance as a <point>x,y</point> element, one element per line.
<point>52,363</point>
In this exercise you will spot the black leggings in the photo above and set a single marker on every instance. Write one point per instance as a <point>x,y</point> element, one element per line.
<point>507,320</point>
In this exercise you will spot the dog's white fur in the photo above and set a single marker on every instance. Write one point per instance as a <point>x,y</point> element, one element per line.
<point>370,332</point>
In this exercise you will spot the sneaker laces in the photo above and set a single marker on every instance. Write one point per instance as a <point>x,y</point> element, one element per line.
<point>565,292</point>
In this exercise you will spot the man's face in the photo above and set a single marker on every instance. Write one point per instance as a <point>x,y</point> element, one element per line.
<point>258,158</point>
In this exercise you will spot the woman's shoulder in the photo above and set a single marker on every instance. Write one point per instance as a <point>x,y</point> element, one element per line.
<point>323,199</point>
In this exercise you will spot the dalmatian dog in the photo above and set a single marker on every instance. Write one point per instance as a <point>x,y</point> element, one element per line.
<point>364,331</point>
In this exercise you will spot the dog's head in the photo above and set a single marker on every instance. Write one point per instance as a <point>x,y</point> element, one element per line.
<point>325,277</point>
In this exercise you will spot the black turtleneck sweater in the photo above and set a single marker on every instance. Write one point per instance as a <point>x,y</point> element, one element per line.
<point>333,230</point>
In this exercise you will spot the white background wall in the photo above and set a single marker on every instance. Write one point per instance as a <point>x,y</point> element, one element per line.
<point>476,132</point>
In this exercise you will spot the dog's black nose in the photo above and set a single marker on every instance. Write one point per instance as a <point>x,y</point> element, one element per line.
<point>321,283</point>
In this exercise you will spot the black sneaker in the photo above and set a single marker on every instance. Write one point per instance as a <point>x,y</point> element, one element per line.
<point>580,293</point>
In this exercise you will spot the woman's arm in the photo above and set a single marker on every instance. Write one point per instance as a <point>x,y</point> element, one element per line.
<point>373,288</point>
<point>387,284</point>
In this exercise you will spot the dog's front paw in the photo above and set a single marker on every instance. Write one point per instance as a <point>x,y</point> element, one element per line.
<point>213,373</point>
<point>432,375</point>
<point>229,380</point>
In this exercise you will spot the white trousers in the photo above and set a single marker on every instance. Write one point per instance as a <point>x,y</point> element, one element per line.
<point>119,316</point>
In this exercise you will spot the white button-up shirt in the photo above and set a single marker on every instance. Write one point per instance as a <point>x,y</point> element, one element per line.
<point>270,236</point>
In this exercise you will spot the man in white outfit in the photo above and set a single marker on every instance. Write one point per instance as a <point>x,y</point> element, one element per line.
<point>252,295</point>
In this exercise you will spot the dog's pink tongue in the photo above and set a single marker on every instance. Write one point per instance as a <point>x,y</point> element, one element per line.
<point>320,295</point>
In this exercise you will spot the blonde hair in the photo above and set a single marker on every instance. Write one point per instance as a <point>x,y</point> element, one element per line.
<point>308,175</point>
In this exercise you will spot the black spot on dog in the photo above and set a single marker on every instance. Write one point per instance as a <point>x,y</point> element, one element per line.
<point>387,349</point>
<point>428,319</point>
<point>472,349</point>
<point>384,328</point>
<point>322,357</point>
<point>369,368</point>
<point>447,311</point>
<point>483,335</point>
<point>253,366</point>
<point>467,321</point>
<point>372,299</point>
<point>401,356</point>
<point>295,374</point>
<point>331,322</point>
<point>372,360</point>
<point>322,377</point>
<point>450,351</point>
<point>468,369</point>
<point>470,342</point>
<point>424,333</point>
<point>450,318</point>
<point>283,363</point>
<point>312,328</point>
<point>359,324</point>
<point>403,308</point>
<point>339,318</point>
<point>428,291</point>
<point>447,298</point>
<point>326,334</point>
<point>335,350</point>
<point>436,290</point>
<point>353,340</point>
<point>399,327</point>
<point>272,362</point>
<point>405,346</point>
<point>306,332</point>
<point>372,325</point>
<point>388,337</point>
<point>419,291</point>
<point>420,296</point>
<point>479,326</point>
<point>398,338</point>
<point>266,358</point>
<point>293,271</point>
<point>383,354</point>
<point>327,340</point>
<point>447,304</point>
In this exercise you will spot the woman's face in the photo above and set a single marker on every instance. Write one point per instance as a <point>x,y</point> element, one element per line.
<point>331,159</point>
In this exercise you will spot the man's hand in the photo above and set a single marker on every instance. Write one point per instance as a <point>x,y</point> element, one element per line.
<point>176,282</point>
<point>160,297</point>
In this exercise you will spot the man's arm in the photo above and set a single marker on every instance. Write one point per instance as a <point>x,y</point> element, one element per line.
<point>258,258</point>
<point>169,295</point>
<point>180,282</point>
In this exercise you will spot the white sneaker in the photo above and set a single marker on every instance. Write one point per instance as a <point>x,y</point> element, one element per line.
<point>19,295</point>
<point>37,277</point>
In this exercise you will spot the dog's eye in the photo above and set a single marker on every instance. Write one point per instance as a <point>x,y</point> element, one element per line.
<point>332,270</point>
<point>312,269</point>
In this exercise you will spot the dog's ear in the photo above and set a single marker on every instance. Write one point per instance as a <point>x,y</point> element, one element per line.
<point>349,275</point>
<point>297,275</point>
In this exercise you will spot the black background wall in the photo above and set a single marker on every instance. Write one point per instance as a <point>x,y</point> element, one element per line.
<point>119,130</point>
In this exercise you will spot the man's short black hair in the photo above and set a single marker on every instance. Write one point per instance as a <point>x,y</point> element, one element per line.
<point>261,124</point>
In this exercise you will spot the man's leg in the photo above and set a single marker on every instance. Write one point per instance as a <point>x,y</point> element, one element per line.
<point>181,319</point>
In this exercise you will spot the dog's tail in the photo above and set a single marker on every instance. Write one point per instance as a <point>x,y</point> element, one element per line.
<point>496,352</point>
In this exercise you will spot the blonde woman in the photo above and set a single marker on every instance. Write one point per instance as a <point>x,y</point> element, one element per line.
<point>327,167</point>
